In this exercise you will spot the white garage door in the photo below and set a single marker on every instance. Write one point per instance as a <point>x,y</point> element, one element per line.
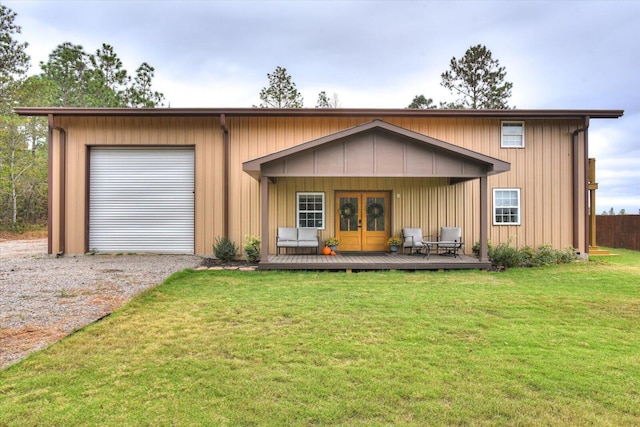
<point>141,200</point>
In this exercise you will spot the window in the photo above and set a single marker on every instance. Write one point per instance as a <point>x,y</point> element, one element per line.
<point>506,206</point>
<point>512,135</point>
<point>310,212</point>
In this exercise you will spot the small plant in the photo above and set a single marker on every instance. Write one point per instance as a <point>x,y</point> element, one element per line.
<point>224,249</point>
<point>476,247</point>
<point>63,293</point>
<point>394,241</point>
<point>331,241</point>
<point>252,248</point>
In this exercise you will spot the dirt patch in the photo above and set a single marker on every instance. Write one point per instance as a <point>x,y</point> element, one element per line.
<point>17,343</point>
<point>213,262</point>
<point>27,235</point>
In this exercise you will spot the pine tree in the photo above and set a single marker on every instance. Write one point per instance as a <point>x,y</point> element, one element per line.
<point>325,101</point>
<point>14,61</point>
<point>478,80</point>
<point>420,102</point>
<point>281,92</point>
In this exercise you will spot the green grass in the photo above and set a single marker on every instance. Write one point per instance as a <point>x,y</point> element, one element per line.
<point>548,346</point>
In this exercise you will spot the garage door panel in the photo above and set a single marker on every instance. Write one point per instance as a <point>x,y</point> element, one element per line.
<point>141,200</point>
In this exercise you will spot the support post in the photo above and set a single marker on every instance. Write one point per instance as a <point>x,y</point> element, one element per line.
<point>264,218</point>
<point>593,186</point>
<point>484,222</point>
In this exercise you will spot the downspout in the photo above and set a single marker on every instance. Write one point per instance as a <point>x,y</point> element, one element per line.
<point>63,191</point>
<point>576,185</point>
<point>227,160</point>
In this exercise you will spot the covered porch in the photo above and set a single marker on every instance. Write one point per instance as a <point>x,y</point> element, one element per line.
<point>373,156</point>
<point>365,261</point>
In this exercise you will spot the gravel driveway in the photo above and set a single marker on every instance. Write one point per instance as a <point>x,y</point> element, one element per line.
<point>44,298</point>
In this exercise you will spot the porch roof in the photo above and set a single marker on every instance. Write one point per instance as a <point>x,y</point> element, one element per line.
<point>376,148</point>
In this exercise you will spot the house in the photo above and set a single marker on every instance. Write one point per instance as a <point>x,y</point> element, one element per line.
<point>171,180</point>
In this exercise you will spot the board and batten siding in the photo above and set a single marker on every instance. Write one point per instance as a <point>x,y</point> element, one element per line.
<point>542,170</point>
<point>412,203</point>
<point>203,134</point>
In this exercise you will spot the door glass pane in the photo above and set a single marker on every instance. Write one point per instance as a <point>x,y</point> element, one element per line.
<point>348,214</point>
<point>375,213</point>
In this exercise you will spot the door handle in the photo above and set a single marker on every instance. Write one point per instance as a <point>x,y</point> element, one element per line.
<point>359,222</point>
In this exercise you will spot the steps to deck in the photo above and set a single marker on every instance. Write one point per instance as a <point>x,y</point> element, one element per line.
<point>594,250</point>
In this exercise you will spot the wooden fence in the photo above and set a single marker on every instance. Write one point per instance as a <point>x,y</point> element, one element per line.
<point>618,231</point>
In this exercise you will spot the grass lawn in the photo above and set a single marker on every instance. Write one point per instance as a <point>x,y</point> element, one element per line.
<point>548,346</point>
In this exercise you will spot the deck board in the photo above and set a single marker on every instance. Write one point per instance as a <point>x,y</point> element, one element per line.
<point>364,261</point>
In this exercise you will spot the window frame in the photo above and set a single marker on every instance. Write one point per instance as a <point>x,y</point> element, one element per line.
<point>518,207</point>
<point>502,133</point>
<point>299,211</point>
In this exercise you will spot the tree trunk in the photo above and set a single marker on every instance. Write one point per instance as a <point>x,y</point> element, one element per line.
<point>14,199</point>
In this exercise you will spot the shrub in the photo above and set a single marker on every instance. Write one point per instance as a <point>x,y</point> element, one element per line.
<point>252,248</point>
<point>224,249</point>
<point>567,256</point>
<point>505,256</point>
<point>528,256</point>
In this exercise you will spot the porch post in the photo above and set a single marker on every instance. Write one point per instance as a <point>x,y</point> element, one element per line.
<point>484,225</point>
<point>264,218</point>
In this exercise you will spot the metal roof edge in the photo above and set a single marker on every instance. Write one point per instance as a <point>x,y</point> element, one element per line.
<point>319,112</point>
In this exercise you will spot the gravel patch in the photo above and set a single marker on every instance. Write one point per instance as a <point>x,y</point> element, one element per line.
<point>44,298</point>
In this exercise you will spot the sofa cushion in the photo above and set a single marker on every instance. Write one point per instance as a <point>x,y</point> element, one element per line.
<point>307,237</point>
<point>287,233</point>
<point>307,233</point>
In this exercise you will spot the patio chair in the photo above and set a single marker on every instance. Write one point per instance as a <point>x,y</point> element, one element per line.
<point>413,239</point>
<point>450,241</point>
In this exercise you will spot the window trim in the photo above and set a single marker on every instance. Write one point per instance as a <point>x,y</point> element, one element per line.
<point>324,206</point>
<point>519,206</point>
<point>502,134</point>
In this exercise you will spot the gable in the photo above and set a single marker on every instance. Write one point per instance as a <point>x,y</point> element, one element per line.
<point>376,149</point>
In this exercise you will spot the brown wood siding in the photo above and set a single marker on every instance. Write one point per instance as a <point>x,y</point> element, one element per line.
<point>542,170</point>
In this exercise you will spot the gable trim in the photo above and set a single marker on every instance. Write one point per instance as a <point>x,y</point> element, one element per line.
<point>441,150</point>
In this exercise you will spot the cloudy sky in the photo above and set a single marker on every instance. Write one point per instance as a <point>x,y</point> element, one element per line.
<point>374,54</point>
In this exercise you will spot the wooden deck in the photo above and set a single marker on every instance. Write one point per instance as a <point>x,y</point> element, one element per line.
<point>357,261</point>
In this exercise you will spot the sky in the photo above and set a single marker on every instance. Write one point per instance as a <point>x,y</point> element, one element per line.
<point>374,54</point>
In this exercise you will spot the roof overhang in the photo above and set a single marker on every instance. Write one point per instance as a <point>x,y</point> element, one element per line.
<point>320,112</point>
<point>375,149</point>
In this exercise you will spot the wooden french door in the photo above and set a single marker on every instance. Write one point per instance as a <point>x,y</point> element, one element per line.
<point>362,220</point>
